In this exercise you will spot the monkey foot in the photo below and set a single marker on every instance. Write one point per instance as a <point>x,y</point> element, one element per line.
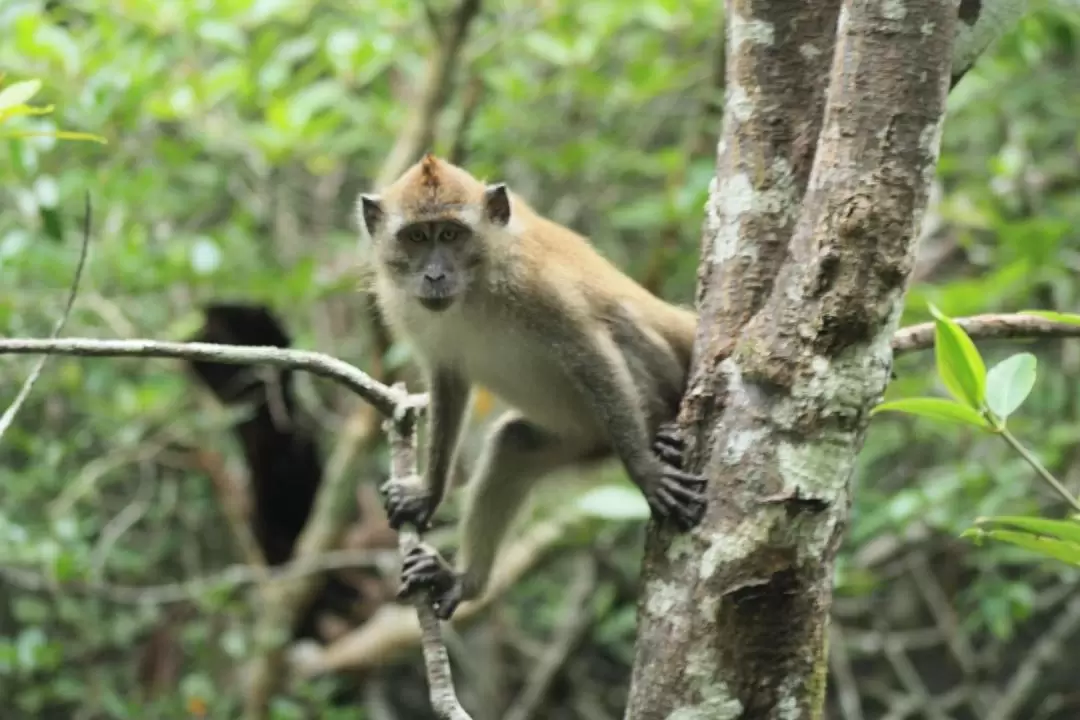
<point>407,501</point>
<point>425,570</point>
<point>669,445</point>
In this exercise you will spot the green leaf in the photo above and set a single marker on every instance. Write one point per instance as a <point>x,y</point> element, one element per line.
<point>1068,530</point>
<point>18,110</point>
<point>60,135</point>
<point>1057,549</point>
<point>959,364</point>
<point>936,408</point>
<point>18,93</point>
<point>614,502</point>
<point>1068,318</point>
<point>1009,382</point>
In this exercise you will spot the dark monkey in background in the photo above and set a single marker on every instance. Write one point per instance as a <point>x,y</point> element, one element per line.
<point>487,291</point>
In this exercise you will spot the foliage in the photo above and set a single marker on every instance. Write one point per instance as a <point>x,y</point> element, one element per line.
<point>13,103</point>
<point>239,133</point>
<point>986,400</point>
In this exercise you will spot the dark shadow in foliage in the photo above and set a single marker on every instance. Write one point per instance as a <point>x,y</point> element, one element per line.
<point>279,443</point>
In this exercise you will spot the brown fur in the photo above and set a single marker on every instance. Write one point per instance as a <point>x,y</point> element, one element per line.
<point>591,361</point>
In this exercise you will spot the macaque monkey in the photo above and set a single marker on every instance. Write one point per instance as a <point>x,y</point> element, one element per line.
<point>488,291</point>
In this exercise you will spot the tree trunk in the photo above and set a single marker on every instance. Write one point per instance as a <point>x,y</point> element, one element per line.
<point>809,240</point>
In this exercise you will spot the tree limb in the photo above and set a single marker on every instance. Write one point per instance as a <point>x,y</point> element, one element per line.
<point>24,392</point>
<point>419,129</point>
<point>986,327</point>
<point>402,431</point>
<point>187,590</point>
<point>384,399</point>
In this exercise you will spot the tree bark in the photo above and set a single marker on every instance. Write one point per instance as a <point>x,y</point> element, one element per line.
<point>806,254</point>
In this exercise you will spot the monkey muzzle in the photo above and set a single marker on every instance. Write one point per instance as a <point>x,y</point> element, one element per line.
<point>437,293</point>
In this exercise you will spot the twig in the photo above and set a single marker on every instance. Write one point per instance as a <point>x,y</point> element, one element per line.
<point>470,103</point>
<point>913,684</point>
<point>28,385</point>
<point>228,489</point>
<point>847,689</point>
<point>435,23</point>
<point>941,610</point>
<point>401,429</point>
<point>123,521</point>
<point>394,629</point>
<point>185,591</point>
<point>382,397</point>
<point>1046,650</point>
<point>1013,326</point>
<point>419,129</point>
<point>1039,468</point>
<point>576,620</point>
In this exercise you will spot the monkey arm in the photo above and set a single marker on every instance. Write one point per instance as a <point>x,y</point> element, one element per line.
<point>414,500</point>
<point>602,375</point>
<point>449,394</point>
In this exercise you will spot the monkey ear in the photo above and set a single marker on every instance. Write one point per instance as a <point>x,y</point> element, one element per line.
<point>371,212</point>
<point>497,204</point>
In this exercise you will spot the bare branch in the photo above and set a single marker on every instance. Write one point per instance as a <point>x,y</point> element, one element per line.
<point>440,681</point>
<point>383,398</point>
<point>419,129</point>
<point>394,629</point>
<point>232,577</point>
<point>24,391</point>
<point>986,327</point>
<point>982,22</point>
<point>575,621</point>
<point>470,103</point>
<point>1046,651</point>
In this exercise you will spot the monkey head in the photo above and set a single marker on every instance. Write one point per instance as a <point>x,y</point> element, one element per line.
<point>431,230</point>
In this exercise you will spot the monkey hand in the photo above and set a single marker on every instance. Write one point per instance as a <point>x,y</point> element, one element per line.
<point>424,569</point>
<point>407,500</point>
<point>671,492</point>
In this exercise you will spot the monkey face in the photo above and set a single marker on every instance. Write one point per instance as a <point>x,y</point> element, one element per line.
<point>434,261</point>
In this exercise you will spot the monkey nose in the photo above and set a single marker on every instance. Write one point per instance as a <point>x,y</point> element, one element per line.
<point>434,277</point>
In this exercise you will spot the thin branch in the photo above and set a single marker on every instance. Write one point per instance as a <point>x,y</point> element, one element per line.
<point>444,702</point>
<point>232,577</point>
<point>393,629</point>
<point>1039,468</point>
<point>576,618</point>
<point>383,398</point>
<point>419,129</point>
<point>386,399</point>
<point>435,23</point>
<point>1047,650</point>
<point>470,103</point>
<point>843,676</point>
<point>1016,326</point>
<point>31,379</point>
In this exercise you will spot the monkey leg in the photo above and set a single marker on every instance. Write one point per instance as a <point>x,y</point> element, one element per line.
<point>517,454</point>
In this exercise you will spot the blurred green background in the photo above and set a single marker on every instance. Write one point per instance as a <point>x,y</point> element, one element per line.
<point>239,133</point>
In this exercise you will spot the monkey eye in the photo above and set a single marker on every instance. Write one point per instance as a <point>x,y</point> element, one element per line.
<point>448,234</point>
<point>417,236</point>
